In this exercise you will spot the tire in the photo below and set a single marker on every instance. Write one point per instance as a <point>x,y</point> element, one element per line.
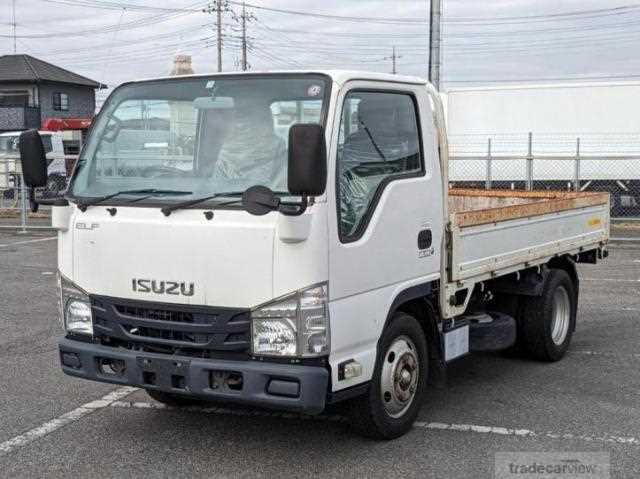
<point>386,412</point>
<point>170,399</point>
<point>546,323</point>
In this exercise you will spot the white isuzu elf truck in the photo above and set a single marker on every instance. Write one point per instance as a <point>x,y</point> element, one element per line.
<point>289,240</point>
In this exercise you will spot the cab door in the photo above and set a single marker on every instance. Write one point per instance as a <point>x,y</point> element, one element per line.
<point>385,228</point>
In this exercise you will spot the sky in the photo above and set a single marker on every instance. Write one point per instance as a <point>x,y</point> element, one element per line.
<point>484,41</point>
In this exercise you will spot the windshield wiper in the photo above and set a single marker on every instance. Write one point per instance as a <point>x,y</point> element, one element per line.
<point>83,205</point>
<point>167,210</point>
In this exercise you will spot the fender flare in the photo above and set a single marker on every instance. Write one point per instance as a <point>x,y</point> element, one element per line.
<point>421,302</point>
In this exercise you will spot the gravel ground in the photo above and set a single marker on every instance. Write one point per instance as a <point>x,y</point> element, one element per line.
<point>588,402</point>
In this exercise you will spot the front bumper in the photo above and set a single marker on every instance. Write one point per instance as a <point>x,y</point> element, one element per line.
<point>279,386</point>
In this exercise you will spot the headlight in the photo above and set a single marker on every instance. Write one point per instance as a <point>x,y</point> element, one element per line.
<point>296,325</point>
<point>75,308</point>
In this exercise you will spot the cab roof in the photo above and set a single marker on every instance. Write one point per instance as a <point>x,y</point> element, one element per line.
<point>338,76</point>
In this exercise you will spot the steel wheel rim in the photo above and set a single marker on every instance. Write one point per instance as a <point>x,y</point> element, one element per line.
<point>399,377</point>
<point>561,315</point>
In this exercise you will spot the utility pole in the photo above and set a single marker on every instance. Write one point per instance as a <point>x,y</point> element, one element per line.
<point>394,70</point>
<point>244,19</point>
<point>394,61</point>
<point>13,27</point>
<point>218,7</point>
<point>435,42</point>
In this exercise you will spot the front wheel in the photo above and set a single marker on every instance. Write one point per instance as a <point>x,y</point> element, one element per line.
<point>398,386</point>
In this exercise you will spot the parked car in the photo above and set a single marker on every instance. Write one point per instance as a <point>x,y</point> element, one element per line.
<point>56,169</point>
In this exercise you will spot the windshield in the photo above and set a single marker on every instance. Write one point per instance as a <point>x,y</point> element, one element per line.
<point>201,135</point>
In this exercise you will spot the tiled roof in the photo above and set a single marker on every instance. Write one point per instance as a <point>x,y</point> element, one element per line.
<point>21,68</point>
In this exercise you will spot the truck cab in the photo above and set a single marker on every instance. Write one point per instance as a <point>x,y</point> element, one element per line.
<point>282,240</point>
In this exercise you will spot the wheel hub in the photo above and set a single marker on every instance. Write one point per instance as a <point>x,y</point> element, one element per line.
<point>399,378</point>
<point>561,316</point>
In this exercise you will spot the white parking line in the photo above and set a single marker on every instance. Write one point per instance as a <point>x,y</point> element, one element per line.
<point>611,280</point>
<point>624,357</point>
<point>598,306</point>
<point>61,421</point>
<point>503,431</point>
<point>50,238</point>
<point>472,428</point>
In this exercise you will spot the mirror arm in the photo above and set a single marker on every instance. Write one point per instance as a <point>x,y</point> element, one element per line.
<point>55,201</point>
<point>300,208</point>
<point>33,203</point>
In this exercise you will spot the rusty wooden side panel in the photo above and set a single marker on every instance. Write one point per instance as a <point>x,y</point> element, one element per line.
<point>539,203</point>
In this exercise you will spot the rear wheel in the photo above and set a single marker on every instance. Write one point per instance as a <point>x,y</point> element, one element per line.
<point>547,322</point>
<point>398,386</point>
<point>170,399</point>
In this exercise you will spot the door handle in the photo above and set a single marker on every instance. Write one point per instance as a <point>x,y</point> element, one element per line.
<point>425,239</point>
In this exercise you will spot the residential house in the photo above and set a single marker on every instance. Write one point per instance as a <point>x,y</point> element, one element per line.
<point>33,91</point>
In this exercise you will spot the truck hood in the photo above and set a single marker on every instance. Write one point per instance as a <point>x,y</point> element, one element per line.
<point>184,258</point>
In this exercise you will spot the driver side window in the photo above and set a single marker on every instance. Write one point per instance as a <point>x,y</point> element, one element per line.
<point>379,142</point>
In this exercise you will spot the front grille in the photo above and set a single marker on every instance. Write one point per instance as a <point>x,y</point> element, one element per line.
<point>159,314</point>
<point>172,329</point>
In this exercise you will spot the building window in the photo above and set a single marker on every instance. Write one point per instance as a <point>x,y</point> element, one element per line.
<point>61,102</point>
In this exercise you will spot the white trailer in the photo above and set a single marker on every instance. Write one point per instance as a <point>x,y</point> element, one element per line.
<point>335,266</point>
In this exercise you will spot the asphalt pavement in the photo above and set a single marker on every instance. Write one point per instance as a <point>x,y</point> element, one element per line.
<point>56,426</point>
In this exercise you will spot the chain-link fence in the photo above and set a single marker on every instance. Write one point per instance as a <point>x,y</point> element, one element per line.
<point>596,162</point>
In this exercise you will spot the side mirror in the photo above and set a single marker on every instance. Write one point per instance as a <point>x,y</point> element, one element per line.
<point>33,159</point>
<point>307,174</point>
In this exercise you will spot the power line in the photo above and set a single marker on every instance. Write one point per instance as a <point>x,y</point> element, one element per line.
<point>134,24</point>
<point>546,17</point>
<point>556,79</point>
<point>112,5</point>
<point>335,17</point>
<point>115,5</point>
<point>633,22</point>
<point>122,43</point>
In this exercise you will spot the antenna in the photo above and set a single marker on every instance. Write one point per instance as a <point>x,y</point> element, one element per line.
<point>13,27</point>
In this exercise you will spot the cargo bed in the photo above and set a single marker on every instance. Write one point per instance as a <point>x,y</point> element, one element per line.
<point>493,233</point>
